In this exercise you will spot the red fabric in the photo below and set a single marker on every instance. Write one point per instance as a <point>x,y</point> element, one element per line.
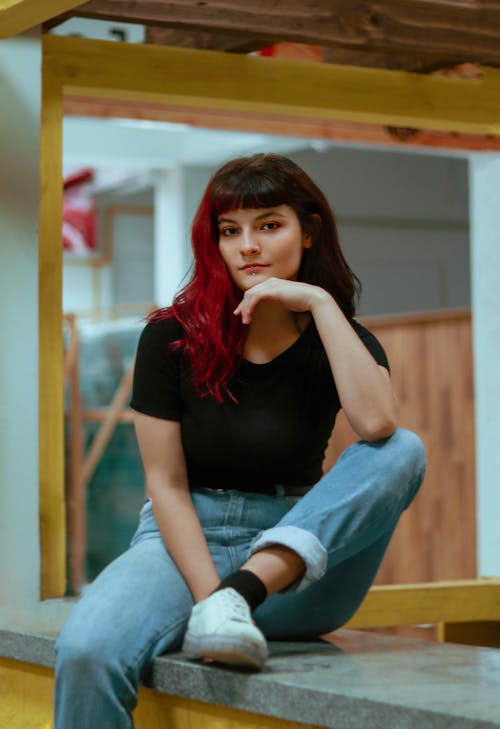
<point>292,52</point>
<point>79,214</point>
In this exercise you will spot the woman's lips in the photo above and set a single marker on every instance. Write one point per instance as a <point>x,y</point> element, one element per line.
<point>253,267</point>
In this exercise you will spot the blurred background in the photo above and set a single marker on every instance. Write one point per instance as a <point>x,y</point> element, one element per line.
<point>131,189</point>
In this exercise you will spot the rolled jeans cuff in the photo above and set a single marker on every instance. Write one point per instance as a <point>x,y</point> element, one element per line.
<point>305,544</point>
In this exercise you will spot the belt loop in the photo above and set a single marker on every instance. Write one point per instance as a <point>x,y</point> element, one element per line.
<point>279,489</point>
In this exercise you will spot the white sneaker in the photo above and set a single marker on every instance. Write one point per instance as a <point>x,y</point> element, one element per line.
<point>221,628</point>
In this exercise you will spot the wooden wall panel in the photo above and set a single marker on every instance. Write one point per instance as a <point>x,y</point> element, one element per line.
<point>431,363</point>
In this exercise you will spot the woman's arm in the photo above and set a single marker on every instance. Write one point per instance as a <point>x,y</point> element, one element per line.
<point>364,387</point>
<point>167,485</point>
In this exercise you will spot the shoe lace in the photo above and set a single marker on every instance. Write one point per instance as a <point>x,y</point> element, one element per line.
<point>234,605</point>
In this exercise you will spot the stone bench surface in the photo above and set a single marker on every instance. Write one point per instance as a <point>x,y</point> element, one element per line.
<point>359,680</point>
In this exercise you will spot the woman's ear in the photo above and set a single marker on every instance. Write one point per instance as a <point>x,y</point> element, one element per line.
<point>316,220</point>
<point>313,229</point>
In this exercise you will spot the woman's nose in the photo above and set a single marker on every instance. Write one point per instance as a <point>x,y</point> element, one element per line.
<point>249,243</point>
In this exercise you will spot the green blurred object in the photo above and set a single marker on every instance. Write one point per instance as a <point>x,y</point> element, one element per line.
<point>114,497</point>
<point>115,493</point>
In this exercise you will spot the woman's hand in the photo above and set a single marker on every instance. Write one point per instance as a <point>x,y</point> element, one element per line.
<point>295,295</point>
<point>162,452</point>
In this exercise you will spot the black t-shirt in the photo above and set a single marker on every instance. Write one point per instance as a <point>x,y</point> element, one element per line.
<point>278,430</point>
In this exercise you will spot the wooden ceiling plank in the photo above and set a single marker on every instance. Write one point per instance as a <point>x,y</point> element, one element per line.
<point>17,16</point>
<point>413,62</point>
<point>453,30</point>
<point>201,40</point>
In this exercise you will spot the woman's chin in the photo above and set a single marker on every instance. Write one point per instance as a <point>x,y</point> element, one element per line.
<point>250,280</point>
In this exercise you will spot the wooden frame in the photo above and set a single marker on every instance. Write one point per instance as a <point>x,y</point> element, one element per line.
<point>17,16</point>
<point>202,80</point>
<point>465,611</point>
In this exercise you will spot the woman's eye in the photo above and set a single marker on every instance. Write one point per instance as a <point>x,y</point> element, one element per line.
<point>270,226</point>
<point>226,232</point>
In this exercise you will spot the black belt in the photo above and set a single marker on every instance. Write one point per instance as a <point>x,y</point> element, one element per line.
<point>275,490</point>
<point>282,490</point>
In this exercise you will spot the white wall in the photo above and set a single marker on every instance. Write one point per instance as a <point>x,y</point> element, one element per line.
<point>78,288</point>
<point>485,218</point>
<point>20,61</point>
<point>178,193</point>
<point>133,259</point>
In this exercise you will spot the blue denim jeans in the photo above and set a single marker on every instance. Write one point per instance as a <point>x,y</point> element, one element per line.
<point>138,607</point>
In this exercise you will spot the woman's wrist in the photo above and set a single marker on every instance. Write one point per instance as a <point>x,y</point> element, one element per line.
<point>320,299</point>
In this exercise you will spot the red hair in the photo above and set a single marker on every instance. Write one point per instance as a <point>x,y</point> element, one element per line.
<point>204,307</point>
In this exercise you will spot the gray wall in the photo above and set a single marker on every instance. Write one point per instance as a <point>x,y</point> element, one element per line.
<point>403,225</point>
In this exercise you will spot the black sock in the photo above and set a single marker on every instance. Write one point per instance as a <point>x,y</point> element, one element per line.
<point>249,586</point>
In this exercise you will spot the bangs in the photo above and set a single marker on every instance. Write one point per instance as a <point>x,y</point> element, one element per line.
<point>252,190</point>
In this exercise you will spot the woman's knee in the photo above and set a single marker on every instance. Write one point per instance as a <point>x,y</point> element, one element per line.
<point>93,684</point>
<point>411,444</point>
<point>402,455</point>
<point>396,465</point>
<point>407,463</point>
<point>412,449</point>
<point>84,657</point>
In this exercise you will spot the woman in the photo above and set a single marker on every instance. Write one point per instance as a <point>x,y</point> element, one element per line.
<point>236,390</point>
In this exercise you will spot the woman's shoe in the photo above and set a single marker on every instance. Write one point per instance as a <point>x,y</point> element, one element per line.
<point>221,628</point>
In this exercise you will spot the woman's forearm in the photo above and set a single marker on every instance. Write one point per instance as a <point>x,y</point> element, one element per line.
<point>365,392</point>
<point>183,535</point>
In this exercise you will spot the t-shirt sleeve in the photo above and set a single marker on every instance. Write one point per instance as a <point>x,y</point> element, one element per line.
<point>372,344</point>
<point>155,389</point>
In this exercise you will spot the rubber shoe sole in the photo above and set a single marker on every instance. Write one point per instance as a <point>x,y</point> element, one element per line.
<point>225,649</point>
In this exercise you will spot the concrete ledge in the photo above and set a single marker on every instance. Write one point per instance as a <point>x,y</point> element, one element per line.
<point>359,681</point>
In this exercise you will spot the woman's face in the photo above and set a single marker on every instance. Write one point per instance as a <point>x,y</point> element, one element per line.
<point>256,244</point>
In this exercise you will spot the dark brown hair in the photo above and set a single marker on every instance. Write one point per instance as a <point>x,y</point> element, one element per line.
<point>214,336</point>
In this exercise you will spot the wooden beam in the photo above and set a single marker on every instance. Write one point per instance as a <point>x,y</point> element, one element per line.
<point>339,131</point>
<point>486,633</point>
<point>17,16</point>
<point>412,62</point>
<point>433,602</point>
<point>205,41</point>
<point>451,31</point>
<point>50,327</point>
<point>55,21</point>
<point>213,80</point>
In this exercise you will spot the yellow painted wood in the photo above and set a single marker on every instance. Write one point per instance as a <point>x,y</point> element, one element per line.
<point>51,376</point>
<point>26,696</point>
<point>433,602</point>
<point>485,633</point>
<point>211,79</point>
<point>160,711</point>
<point>204,80</point>
<point>17,16</point>
<point>26,703</point>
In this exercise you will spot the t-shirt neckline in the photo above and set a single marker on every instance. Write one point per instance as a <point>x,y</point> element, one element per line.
<point>285,354</point>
